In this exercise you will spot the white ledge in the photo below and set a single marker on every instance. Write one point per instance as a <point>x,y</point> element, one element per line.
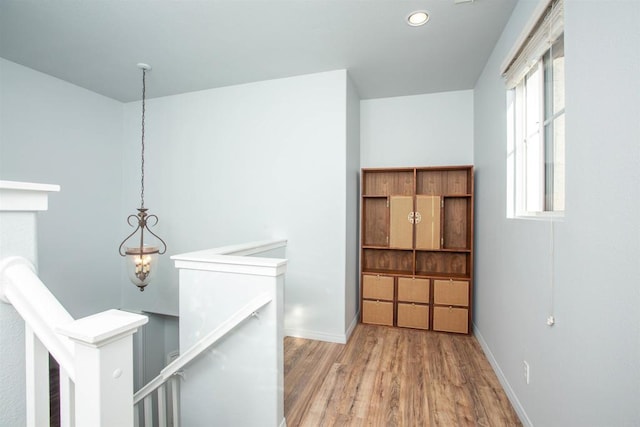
<point>102,328</point>
<point>241,249</point>
<point>25,196</point>
<point>235,259</point>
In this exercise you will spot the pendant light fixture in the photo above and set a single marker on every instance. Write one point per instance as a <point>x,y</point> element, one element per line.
<point>142,257</point>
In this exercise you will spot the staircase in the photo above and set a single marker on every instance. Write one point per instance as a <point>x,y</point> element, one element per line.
<point>231,341</point>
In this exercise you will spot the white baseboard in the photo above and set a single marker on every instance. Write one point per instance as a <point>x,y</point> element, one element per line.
<point>318,336</point>
<point>322,336</point>
<point>522,414</point>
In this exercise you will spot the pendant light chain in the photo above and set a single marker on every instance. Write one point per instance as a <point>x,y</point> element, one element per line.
<point>144,90</point>
<point>141,253</point>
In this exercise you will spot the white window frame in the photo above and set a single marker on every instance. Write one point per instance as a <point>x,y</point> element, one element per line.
<point>527,179</point>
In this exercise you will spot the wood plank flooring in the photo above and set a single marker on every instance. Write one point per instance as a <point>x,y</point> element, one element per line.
<point>392,377</point>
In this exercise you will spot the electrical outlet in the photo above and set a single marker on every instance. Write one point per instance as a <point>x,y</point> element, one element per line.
<point>526,371</point>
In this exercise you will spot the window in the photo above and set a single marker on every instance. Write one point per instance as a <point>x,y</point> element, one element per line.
<point>536,119</point>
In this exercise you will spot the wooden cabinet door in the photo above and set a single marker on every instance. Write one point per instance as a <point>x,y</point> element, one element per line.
<point>401,225</point>
<point>427,222</point>
<point>426,219</point>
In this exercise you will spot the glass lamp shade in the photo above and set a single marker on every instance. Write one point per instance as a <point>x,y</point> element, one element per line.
<point>141,264</point>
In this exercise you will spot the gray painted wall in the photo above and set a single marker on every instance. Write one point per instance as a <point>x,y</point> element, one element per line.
<point>53,132</point>
<point>352,276</point>
<point>152,344</point>
<point>585,370</point>
<point>421,130</point>
<point>245,163</point>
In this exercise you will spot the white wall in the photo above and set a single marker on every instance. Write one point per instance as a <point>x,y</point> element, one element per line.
<point>420,130</point>
<point>585,370</point>
<point>245,163</point>
<point>56,133</point>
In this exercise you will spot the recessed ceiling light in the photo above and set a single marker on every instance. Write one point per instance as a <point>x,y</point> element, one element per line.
<point>417,18</point>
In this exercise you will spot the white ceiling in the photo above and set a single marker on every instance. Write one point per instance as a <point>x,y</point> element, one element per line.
<point>194,45</point>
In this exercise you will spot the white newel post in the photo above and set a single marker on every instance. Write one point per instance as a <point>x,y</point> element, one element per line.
<point>95,353</point>
<point>20,350</point>
<point>104,367</point>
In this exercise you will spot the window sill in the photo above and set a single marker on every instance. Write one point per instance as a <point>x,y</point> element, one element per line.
<point>539,216</point>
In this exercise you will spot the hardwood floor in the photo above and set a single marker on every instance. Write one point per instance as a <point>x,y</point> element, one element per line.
<point>392,377</point>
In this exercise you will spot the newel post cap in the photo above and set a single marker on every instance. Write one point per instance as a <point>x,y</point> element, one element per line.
<point>103,328</point>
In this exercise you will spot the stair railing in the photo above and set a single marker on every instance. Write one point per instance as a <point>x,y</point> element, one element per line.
<point>95,353</point>
<point>144,398</point>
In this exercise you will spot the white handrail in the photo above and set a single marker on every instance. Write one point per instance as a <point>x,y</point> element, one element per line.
<point>21,287</point>
<point>95,354</point>
<point>202,345</point>
<point>91,352</point>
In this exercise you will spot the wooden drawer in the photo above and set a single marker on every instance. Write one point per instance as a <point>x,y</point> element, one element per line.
<point>451,319</point>
<point>377,312</point>
<point>377,287</point>
<point>451,292</point>
<point>413,290</point>
<point>413,316</point>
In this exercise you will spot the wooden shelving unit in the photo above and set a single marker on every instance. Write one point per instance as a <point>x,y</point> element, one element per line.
<point>417,247</point>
